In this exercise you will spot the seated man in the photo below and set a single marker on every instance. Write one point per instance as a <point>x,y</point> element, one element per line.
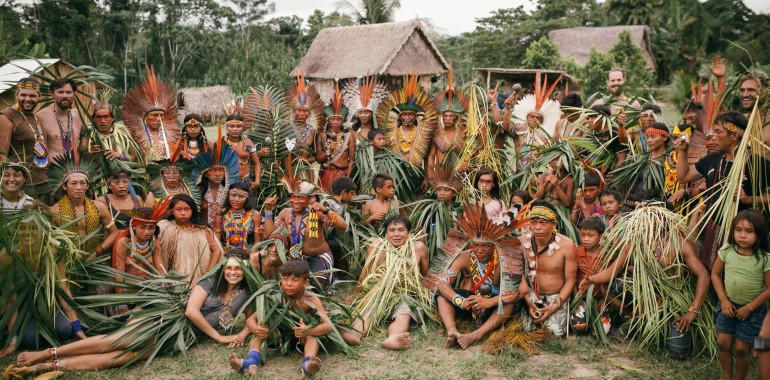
<point>550,277</point>
<point>382,300</point>
<point>489,274</point>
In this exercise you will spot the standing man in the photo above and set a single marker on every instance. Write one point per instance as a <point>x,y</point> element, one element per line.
<point>335,147</point>
<point>109,137</point>
<point>617,101</point>
<point>22,138</point>
<point>60,121</point>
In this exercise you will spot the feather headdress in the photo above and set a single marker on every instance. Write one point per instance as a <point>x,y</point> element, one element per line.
<point>366,94</point>
<point>474,225</point>
<point>66,166</point>
<point>540,103</point>
<point>303,95</point>
<point>452,99</point>
<point>444,176</point>
<point>222,156</point>
<point>152,95</point>
<point>336,106</point>
<point>410,98</point>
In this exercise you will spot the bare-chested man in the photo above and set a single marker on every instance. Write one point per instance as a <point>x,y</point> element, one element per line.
<point>305,223</point>
<point>335,148</point>
<point>550,265</point>
<point>60,121</point>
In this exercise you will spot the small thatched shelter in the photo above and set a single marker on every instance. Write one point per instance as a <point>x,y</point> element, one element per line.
<point>576,43</point>
<point>389,50</point>
<point>208,102</point>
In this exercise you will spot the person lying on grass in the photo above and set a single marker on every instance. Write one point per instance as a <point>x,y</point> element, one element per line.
<point>212,307</point>
<point>295,277</point>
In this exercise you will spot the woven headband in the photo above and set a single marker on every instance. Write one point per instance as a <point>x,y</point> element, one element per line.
<point>542,213</point>
<point>655,131</point>
<point>28,86</point>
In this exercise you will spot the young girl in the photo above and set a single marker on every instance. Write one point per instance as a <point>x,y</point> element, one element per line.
<point>489,187</point>
<point>240,223</point>
<point>744,293</point>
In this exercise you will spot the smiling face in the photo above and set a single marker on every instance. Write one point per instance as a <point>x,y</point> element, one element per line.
<point>27,99</point>
<point>233,273</point>
<point>397,233</point>
<point>13,180</point>
<point>237,198</point>
<point>299,202</point>
<point>63,96</point>
<point>645,119</point>
<point>691,117</point>
<point>76,187</point>
<point>749,91</point>
<point>103,119</point>
<point>615,80</point>
<point>365,116</point>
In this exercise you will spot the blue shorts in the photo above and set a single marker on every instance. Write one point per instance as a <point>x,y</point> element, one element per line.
<point>745,330</point>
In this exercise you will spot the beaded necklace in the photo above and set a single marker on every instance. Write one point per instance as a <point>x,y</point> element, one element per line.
<point>40,150</point>
<point>237,225</point>
<point>531,257</point>
<point>66,133</point>
<point>406,143</point>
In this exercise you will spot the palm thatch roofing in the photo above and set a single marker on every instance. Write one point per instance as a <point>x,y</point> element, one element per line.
<point>208,102</point>
<point>393,49</point>
<point>576,43</point>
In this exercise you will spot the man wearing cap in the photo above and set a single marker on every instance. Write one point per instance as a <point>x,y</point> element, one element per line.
<point>22,138</point>
<point>304,230</point>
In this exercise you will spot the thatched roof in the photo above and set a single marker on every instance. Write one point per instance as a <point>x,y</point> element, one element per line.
<point>577,42</point>
<point>394,48</point>
<point>208,102</point>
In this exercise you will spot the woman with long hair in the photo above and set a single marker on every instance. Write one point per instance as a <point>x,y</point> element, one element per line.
<point>240,222</point>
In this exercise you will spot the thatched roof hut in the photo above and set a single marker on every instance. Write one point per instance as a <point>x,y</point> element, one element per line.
<point>208,102</point>
<point>576,43</point>
<point>389,50</point>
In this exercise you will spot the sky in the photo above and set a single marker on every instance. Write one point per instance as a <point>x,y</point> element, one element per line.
<point>449,17</point>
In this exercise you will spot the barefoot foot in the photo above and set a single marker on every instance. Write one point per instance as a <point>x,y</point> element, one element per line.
<point>451,339</point>
<point>312,366</point>
<point>352,338</point>
<point>466,340</point>
<point>32,357</point>
<point>398,342</point>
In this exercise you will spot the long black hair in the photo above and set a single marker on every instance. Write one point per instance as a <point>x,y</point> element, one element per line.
<point>495,192</point>
<point>759,224</point>
<point>196,214</point>
<point>240,186</point>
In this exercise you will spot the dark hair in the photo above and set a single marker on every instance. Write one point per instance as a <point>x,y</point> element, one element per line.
<point>594,224</point>
<point>611,193</point>
<point>374,132</point>
<point>523,194</point>
<point>379,180</point>
<point>195,217</point>
<point>661,127</point>
<point>759,224</point>
<point>736,118</point>
<point>651,107</point>
<point>296,268</point>
<point>614,69</point>
<point>61,82</point>
<point>118,171</point>
<point>397,219</point>
<point>691,106</point>
<point>602,109</point>
<point>191,116</point>
<point>572,100</point>
<point>234,116</point>
<point>240,186</point>
<point>221,284</point>
<point>343,184</point>
<point>592,179</point>
<point>495,192</point>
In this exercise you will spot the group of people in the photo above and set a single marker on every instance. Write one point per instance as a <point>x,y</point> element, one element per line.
<point>469,205</point>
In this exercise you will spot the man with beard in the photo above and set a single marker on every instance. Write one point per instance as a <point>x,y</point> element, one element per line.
<point>616,78</point>
<point>22,138</point>
<point>59,120</point>
<point>753,86</point>
<point>110,137</point>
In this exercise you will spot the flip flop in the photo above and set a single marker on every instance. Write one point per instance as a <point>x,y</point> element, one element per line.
<point>13,372</point>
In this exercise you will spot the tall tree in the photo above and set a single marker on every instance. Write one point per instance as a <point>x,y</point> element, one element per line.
<point>370,11</point>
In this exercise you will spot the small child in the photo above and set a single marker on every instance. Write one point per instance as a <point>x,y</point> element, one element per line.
<point>587,199</point>
<point>744,293</point>
<point>295,277</point>
<point>591,232</point>
<point>343,190</point>
<point>384,203</point>
<point>611,201</point>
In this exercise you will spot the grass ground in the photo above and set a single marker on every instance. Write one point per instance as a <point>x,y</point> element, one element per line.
<point>569,358</point>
